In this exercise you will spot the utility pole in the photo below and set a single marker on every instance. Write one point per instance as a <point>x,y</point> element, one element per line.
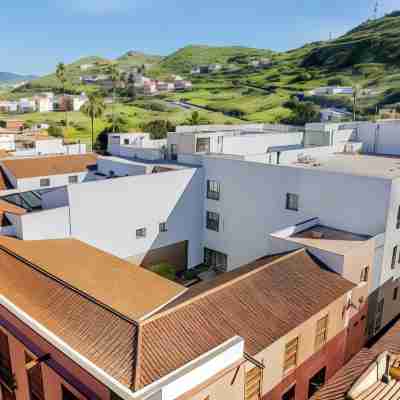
<point>355,95</point>
<point>376,10</point>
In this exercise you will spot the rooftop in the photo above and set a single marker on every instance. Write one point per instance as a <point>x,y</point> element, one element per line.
<point>48,166</point>
<point>356,164</point>
<point>345,380</point>
<point>97,274</point>
<point>97,304</point>
<point>330,239</point>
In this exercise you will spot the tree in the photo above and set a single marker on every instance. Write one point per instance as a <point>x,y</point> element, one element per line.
<point>131,87</point>
<point>302,112</point>
<point>62,78</point>
<point>115,78</point>
<point>55,131</point>
<point>119,123</point>
<point>194,119</point>
<point>94,108</point>
<point>158,128</point>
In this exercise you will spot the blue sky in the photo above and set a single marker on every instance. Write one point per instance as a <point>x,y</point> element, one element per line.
<point>35,35</point>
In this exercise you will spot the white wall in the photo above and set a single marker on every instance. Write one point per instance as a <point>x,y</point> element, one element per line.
<point>253,199</point>
<point>141,153</point>
<point>120,167</point>
<point>48,224</point>
<point>107,213</point>
<point>260,143</point>
<point>27,184</point>
<point>51,146</point>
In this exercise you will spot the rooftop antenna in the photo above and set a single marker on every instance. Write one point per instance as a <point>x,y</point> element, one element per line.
<point>376,10</point>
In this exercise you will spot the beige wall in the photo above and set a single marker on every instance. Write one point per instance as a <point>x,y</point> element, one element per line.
<point>229,386</point>
<point>273,356</point>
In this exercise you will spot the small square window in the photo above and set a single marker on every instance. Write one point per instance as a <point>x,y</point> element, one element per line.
<point>126,141</point>
<point>212,221</point>
<point>163,227</point>
<point>44,182</point>
<point>73,179</point>
<point>292,202</point>
<point>140,233</point>
<point>213,190</point>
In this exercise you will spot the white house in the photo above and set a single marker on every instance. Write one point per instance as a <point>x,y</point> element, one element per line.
<point>334,114</point>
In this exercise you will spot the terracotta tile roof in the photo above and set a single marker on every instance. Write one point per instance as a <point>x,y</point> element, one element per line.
<point>48,166</point>
<point>261,305</point>
<point>338,386</point>
<point>6,207</point>
<point>97,274</point>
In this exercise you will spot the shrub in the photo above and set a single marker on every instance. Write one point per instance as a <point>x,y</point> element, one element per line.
<point>165,270</point>
<point>158,128</point>
<point>55,131</point>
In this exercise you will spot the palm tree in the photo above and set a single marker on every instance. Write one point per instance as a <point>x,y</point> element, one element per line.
<point>94,108</point>
<point>62,77</point>
<point>115,78</point>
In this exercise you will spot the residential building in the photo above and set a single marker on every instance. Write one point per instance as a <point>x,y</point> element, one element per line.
<point>14,124</point>
<point>136,145</point>
<point>79,101</point>
<point>373,373</point>
<point>8,106</point>
<point>25,174</point>
<point>335,115</point>
<point>258,331</point>
<point>44,103</point>
<point>26,105</point>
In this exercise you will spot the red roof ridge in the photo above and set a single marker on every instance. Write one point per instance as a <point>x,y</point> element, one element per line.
<point>222,286</point>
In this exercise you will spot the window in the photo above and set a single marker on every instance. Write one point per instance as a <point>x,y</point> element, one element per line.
<point>140,233</point>
<point>213,190</point>
<point>67,394</point>
<point>252,386</point>
<point>215,259</point>
<point>321,335</point>
<point>290,394</point>
<point>394,256</point>
<point>212,221</point>
<point>35,380</point>
<point>203,145</point>
<point>73,179</point>
<point>364,274</point>
<point>291,350</point>
<point>398,219</point>
<point>163,227</point>
<point>292,202</point>
<point>44,182</point>
<point>395,293</point>
<point>174,152</point>
<point>126,141</point>
<point>316,382</point>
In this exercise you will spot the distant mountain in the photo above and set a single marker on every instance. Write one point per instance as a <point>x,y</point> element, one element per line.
<point>9,77</point>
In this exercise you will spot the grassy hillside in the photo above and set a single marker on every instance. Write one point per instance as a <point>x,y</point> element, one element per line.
<point>183,60</point>
<point>372,42</point>
<point>367,57</point>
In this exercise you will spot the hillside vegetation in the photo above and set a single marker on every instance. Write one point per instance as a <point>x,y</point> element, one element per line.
<point>367,57</point>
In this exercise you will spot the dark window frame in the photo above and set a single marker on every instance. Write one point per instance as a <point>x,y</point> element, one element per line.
<point>72,179</point>
<point>394,257</point>
<point>212,221</point>
<point>42,180</point>
<point>398,218</point>
<point>162,227</point>
<point>141,233</point>
<point>215,259</point>
<point>292,201</point>
<point>213,190</point>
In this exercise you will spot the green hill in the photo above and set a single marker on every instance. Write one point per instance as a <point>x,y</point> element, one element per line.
<point>372,42</point>
<point>137,58</point>
<point>183,60</point>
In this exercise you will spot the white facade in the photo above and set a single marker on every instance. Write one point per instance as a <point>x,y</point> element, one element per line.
<point>7,142</point>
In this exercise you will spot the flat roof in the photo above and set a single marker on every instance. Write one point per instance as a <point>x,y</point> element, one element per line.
<point>355,164</point>
<point>132,291</point>
<point>49,165</point>
<point>327,238</point>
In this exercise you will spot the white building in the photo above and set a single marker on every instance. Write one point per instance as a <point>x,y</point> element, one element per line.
<point>43,103</point>
<point>334,114</point>
<point>26,105</point>
<point>79,101</point>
